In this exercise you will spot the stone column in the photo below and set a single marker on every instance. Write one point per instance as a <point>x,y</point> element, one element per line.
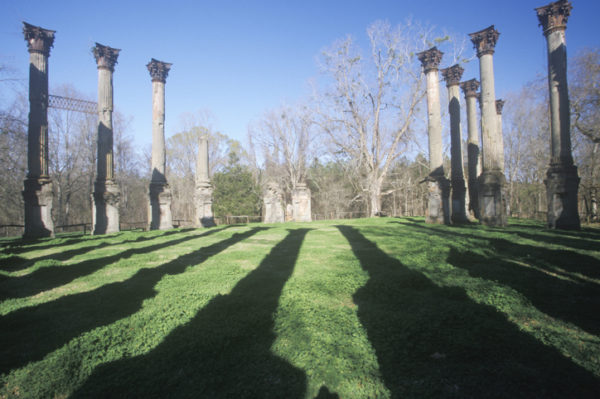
<point>499,106</point>
<point>273,204</point>
<point>204,188</point>
<point>159,211</point>
<point>438,209</point>
<point>37,190</point>
<point>562,181</point>
<point>470,88</point>
<point>105,215</point>
<point>452,77</point>
<point>491,183</point>
<point>302,203</point>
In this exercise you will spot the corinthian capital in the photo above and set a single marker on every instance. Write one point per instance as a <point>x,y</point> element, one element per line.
<point>554,16</point>
<point>485,40</point>
<point>499,106</point>
<point>452,74</point>
<point>430,59</point>
<point>106,57</point>
<point>158,70</point>
<point>39,40</point>
<point>470,87</point>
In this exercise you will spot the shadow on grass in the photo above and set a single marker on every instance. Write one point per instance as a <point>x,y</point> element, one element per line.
<point>435,341</point>
<point>50,277</point>
<point>574,300</point>
<point>13,263</point>
<point>29,334</point>
<point>223,352</point>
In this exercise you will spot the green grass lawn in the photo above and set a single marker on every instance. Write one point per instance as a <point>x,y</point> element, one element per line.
<point>369,308</point>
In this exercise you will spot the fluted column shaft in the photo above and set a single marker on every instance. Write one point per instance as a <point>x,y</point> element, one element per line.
<point>158,131</point>
<point>37,192</point>
<point>106,196</point>
<point>204,189</point>
<point>491,183</point>
<point>562,181</point>
<point>105,170</point>
<point>470,88</point>
<point>438,208</point>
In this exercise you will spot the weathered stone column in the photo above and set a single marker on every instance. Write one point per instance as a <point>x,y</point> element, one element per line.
<point>105,215</point>
<point>492,204</point>
<point>302,203</point>
<point>273,204</point>
<point>499,106</point>
<point>438,209</point>
<point>37,190</point>
<point>562,181</point>
<point>159,211</point>
<point>470,88</point>
<point>452,77</point>
<point>204,188</point>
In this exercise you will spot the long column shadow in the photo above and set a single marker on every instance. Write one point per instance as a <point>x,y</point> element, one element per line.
<point>435,341</point>
<point>30,333</point>
<point>223,352</point>
<point>13,263</point>
<point>575,300</point>
<point>55,276</point>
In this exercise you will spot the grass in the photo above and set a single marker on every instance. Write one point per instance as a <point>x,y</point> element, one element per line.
<point>370,308</point>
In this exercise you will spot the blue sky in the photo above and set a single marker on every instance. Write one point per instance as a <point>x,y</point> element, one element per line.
<point>236,59</point>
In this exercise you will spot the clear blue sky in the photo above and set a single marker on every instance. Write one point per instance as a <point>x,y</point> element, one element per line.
<point>238,58</point>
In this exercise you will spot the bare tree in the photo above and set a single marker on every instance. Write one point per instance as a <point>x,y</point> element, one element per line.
<point>370,106</point>
<point>286,141</point>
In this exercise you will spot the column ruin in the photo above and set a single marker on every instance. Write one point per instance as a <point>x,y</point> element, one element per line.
<point>301,199</point>
<point>105,215</point>
<point>438,208</point>
<point>452,76</point>
<point>491,182</point>
<point>273,204</point>
<point>159,211</point>
<point>499,106</point>
<point>204,189</point>
<point>562,181</point>
<point>470,88</point>
<point>37,190</point>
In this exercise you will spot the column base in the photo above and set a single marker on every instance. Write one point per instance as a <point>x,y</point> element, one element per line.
<point>562,184</point>
<point>459,206</point>
<point>273,205</point>
<point>159,210</point>
<point>38,196</point>
<point>204,200</point>
<point>302,200</point>
<point>492,198</point>
<point>438,207</point>
<point>105,212</point>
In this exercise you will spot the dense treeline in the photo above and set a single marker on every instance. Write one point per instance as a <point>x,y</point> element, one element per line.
<point>359,143</point>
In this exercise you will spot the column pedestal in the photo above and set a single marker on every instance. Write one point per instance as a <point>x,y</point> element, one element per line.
<point>492,198</point>
<point>160,206</point>
<point>204,200</point>
<point>562,183</point>
<point>438,207</point>
<point>105,212</point>
<point>302,205</point>
<point>273,205</point>
<point>37,195</point>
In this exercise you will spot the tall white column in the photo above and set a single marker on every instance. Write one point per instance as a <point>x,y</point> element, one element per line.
<point>562,181</point>
<point>105,215</point>
<point>37,192</point>
<point>438,209</point>
<point>204,188</point>
<point>452,76</point>
<point>492,201</point>
<point>159,211</point>
<point>470,88</point>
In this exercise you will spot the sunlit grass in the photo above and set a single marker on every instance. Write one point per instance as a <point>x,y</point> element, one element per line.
<point>368,308</point>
